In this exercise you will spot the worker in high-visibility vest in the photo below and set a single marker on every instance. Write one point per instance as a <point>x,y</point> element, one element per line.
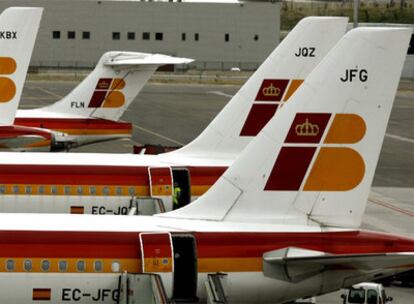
<point>176,195</point>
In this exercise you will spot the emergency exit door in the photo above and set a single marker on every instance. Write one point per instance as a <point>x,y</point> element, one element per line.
<point>160,180</point>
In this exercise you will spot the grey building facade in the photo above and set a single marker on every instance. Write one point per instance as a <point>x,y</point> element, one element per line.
<point>75,33</point>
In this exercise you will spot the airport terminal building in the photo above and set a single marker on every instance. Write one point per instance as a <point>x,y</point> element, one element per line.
<point>75,33</point>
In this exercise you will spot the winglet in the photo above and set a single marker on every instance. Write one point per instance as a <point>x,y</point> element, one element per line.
<point>19,26</point>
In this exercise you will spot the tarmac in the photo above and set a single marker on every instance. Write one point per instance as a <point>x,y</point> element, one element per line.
<point>173,114</point>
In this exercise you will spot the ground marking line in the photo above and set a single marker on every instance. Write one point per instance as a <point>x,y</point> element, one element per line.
<point>390,206</point>
<point>48,92</point>
<point>397,137</point>
<point>159,135</point>
<point>220,94</point>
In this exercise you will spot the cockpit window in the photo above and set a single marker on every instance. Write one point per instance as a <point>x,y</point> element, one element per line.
<point>356,296</point>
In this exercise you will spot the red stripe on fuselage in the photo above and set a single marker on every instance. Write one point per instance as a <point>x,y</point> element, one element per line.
<point>94,175</point>
<point>209,244</point>
<point>73,123</point>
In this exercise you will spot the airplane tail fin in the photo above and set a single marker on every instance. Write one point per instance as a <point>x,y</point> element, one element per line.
<point>269,88</point>
<point>113,84</point>
<point>314,163</point>
<point>18,31</point>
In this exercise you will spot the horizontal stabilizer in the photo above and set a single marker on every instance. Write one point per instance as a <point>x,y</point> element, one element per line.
<point>135,58</point>
<point>295,264</point>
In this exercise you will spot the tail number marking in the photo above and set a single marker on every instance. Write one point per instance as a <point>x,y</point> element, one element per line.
<point>351,74</point>
<point>76,295</point>
<point>305,52</point>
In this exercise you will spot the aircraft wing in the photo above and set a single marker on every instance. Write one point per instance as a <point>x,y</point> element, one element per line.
<point>296,264</point>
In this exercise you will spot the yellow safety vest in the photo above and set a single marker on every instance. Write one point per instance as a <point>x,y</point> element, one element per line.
<point>177,192</point>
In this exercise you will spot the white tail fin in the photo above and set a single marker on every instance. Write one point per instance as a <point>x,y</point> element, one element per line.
<point>269,87</point>
<point>314,163</point>
<point>18,31</point>
<point>113,84</point>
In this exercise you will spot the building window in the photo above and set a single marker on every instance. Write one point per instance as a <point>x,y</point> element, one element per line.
<point>131,36</point>
<point>71,35</point>
<point>2,189</point>
<point>159,36</point>
<point>86,35</point>
<point>183,36</point>
<point>27,265</point>
<point>227,37</point>
<point>80,266</point>
<point>10,265</point>
<point>45,265</point>
<point>116,35</point>
<point>97,266</point>
<point>146,36</point>
<point>196,36</point>
<point>256,37</point>
<point>56,34</point>
<point>63,266</point>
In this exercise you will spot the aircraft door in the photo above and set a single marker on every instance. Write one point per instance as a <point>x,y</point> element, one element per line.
<point>160,179</point>
<point>185,268</point>
<point>157,256</point>
<point>181,177</point>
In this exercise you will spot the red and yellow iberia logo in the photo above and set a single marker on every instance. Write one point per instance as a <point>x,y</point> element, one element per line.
<point>313,159</point>
<point>269,98</point>
<point>108,93</point>
<point>7,86</point>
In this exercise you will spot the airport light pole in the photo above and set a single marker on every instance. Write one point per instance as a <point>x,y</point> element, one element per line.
<point>356,9</point>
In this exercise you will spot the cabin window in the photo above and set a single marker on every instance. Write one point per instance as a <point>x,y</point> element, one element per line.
<point>105,190</point>
<point>56,34</point>
<point>53,189</point>
<point>45,265</point>
<point>131,191</point>
<point>10,265</point>
<point>116,266</point>
<point>15,189</point>
<point>67,190</point>
<point>80,190</point>
<point>226,37</point>
<point>27,265</point>
<point>92,190</point>
<point>183,36</point>
<point>97,266</point>
<point>118,191</point>
<point>71,35</point>
<point>196,37</point>
<point>2,189</point>
<point>131,36</point>
<point>28,189</point>
<point>256,37</point>
<point>41,189</point>
<point>80,266</point>
<point>116,35</point>
<point>63,266</point>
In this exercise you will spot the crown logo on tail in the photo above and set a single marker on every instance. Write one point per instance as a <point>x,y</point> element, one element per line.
<point>271,91</point>
<point>307,129</point>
